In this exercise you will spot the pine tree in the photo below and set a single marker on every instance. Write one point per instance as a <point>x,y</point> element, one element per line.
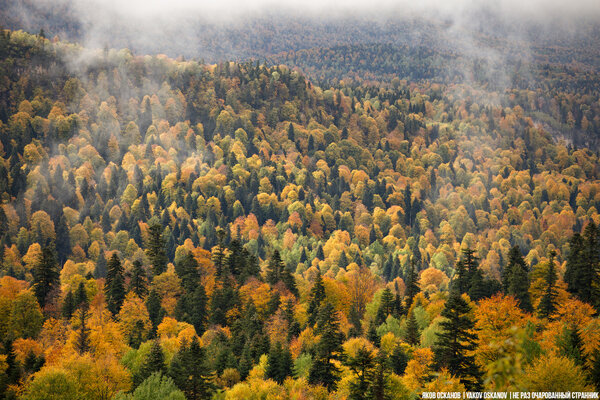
<point>413,336</point>
<point>82,338</point>
<point>317,295</point>
<point>547,304</point>
<point>68,306</point>
<point>81,297</point>
<point>570,344</point>
<point>399,360</point>
<point>155,310</point>
<point>63,239</point>
<point>412,286</point>
<point>138,283</point>
<point>516,279</point>
<point>154,362</point>
<point>114,289</point>
<point>379,387</point>
<point>100,270</point>
<point>456,340</point>
<point>362,366</point>
<point>156,249</point>
<point>190,371</point>
<point>279,365</point>
<point>582,273</point>
<point>46,277</point>
<point>323,371</point>
<point>386,307</point>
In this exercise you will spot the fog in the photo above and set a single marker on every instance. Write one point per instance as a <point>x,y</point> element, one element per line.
<point>217,29</point>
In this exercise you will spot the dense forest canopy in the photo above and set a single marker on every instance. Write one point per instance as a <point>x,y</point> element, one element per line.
<point>370,224</point>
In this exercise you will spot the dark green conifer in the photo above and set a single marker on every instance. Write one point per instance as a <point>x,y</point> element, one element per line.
<point>156,249</point>
<point>317,295</point>
<point>46,277</point>
<point>456,340</point>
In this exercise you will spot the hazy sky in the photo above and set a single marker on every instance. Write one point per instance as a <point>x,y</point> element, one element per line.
<point>538,10</point>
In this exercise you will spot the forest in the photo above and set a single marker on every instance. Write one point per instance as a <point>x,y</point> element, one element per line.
<point>176,229</point>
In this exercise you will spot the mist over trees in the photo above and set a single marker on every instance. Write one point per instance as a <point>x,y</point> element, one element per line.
<point>192,231</point>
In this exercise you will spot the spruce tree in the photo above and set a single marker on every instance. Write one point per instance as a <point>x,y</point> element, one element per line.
<point>582,273</point>
<point>156,249</point>
<point>82,338</point>
<point>379,388</point>
<point>154,362</point>
<point>413,336</point>
<point>68,306</point>
<point>386,307</point>
<point>81,297</point>
<point>547,304</point>
<point>279,364</point>
<point>155,310</point>
<point>46,277</point>
<point>317,295</point>
<point>190,372</point>
<point>456,340</point>
<point>516,279</point>
<point>63,239</point>
<point>100,269</point>
<point>362,366</point>
<point>412,286</point>
<point>329,348</point>
<point>138,283</point>
<point>114,288</point>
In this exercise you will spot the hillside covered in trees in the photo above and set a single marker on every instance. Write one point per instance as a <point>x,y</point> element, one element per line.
<point>184,230</point>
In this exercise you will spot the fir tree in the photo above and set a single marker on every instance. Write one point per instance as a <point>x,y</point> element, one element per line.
<point>156,249</point>
<point>456,340</point>
<point>362,366</point>
<point>323,371</point>
<point>81,297</point>
<point>386,307</point>
<point>82,338</point>
<point>68,305</point>
<point>279,365</point>
<point>189,371</point>
<point>100,271</point>
<point>45,276</point>
<point>399,360</point>
<point>379,387</point>
<point>154,362</point>
<point>138,283</point>
<point>413,336</point>
<point>63,239</point>
<point>516,279</point>
<point>317,295</point>
<point>412,286</point>
<point>155,310</point>
<point>114,289</point>
<point>582,273</point>
<point>547,304</point>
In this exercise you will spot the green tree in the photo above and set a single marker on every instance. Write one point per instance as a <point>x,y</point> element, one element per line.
<point>139,281</point>
<point>547,304</point>
<point>155,249</point>
<point>317,295</point>
<point>154,363</point>
<point>515,279</point>
<point>46,277</point>
<point>412,284</point>
<point>114,288</point>
<point>413,336</point>
<point>279,364</point>
<point>190,372</point>
<point>323,371</point>
<point>362,366</point>
<point>156,386</point>
<point>456,340</point>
